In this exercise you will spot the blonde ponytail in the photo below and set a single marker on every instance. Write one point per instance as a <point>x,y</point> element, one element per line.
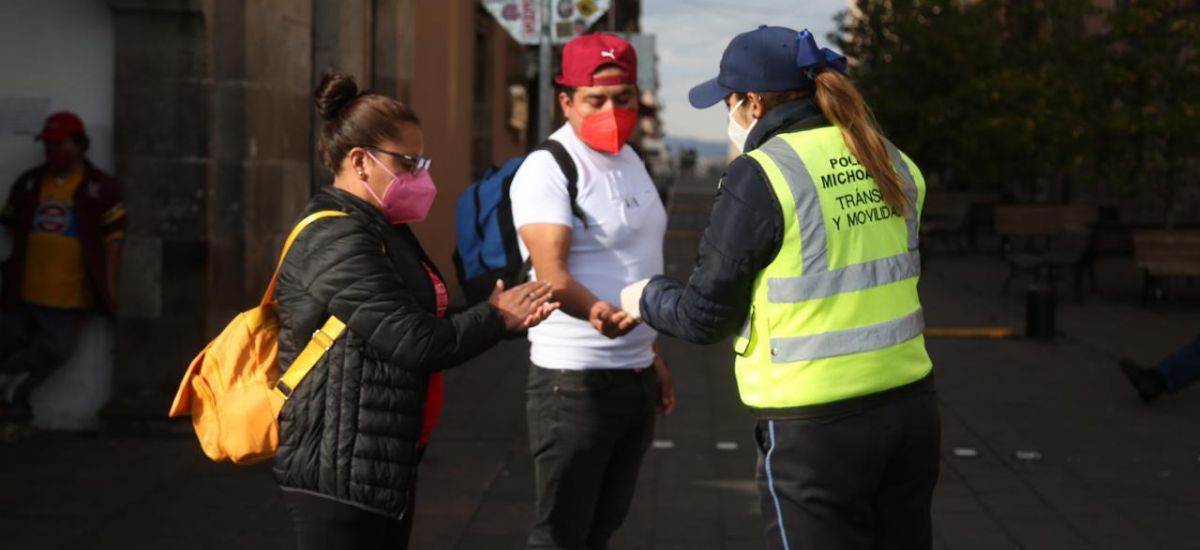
<point>841,103</point>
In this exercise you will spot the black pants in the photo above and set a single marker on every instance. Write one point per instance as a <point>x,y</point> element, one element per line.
<point>849,481</point>
<point>325,524</point>
<point>588,432</point>
<point>37,340</point>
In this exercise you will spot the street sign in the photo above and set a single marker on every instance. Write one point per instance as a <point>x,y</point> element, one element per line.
<point>519,17</point>
<point>574,17</point>
<point>569,18</point>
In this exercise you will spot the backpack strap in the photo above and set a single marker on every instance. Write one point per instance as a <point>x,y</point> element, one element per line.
<point>269,295</point>
<point>320,343</point>
<point>567,165</point>
<point>324,337</point>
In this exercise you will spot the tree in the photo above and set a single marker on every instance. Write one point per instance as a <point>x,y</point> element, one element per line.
<point>987,94</point>
<point>1152,73</point>
<point>908,58</point>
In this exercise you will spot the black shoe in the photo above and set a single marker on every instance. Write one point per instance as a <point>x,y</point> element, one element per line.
<point>1149,383</point>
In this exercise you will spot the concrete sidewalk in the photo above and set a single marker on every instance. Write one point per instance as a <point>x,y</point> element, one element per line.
<point>1113,473</point>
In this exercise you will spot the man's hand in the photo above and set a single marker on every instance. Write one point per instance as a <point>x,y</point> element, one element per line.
<point>666,387</point>
<point>610,321</point>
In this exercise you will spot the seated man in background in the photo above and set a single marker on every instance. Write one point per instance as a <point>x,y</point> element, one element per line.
<point>66,222</point>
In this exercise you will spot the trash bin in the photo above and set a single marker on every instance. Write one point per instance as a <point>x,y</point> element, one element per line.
<point>1039,311</point>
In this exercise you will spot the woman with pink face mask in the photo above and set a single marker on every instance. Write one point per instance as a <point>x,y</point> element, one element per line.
<point>351,436</point>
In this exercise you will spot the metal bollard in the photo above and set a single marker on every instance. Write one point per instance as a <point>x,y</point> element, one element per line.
<point>1039,311</point>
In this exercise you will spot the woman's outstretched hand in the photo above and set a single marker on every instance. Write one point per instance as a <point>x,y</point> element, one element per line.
<point>524,305</point>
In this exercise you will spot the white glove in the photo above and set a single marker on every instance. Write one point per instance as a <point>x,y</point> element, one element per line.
<point>631,298</point>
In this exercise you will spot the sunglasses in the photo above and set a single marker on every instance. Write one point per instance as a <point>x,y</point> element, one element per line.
<point>419,164</point>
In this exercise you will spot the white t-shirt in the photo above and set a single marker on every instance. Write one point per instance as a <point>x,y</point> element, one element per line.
<point>623,244</point>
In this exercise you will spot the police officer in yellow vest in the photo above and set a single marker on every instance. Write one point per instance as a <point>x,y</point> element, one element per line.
<point>810,262</point>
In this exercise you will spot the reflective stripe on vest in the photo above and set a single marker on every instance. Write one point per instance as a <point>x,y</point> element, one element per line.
<point>836,314</point>
<point>846,279</point>
<point>845,342</point>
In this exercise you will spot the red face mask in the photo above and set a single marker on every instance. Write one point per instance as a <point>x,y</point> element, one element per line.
<point>58,157</point>
<point>607,131</point>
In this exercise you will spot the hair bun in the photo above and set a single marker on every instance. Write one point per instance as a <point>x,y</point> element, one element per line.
<point>335,92</point>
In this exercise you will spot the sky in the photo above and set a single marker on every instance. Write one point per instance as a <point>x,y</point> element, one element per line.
<point>692,34</point>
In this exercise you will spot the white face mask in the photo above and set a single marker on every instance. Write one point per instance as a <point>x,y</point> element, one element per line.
<point>738,134</point>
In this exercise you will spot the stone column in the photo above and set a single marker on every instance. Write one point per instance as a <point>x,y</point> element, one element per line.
<point>393,35</point>
<point>213,146</point>
<point>164,160</point>
<point>276,160</point>
<point>343,32</point>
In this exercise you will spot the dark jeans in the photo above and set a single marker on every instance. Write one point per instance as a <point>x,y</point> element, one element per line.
<point>325,524</point>
<point>857,480</point>
<point>1182,368</point>
<point>37,340</point>
<point>588,432</point>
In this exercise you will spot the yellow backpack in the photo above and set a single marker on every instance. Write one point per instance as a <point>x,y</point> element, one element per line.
<point>233,389</point>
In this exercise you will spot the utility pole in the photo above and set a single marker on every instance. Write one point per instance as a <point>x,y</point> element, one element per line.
<point>545,59</point>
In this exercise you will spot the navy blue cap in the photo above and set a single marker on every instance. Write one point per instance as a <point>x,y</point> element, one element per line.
<point>767,59</point>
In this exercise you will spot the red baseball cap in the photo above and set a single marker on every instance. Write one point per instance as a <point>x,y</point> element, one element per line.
<point>60,126</point>
<point>584,55</point>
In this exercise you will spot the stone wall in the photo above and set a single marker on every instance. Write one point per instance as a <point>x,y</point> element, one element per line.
<point>164,158</point>
<point>213,147</point>
<point>276,159</point>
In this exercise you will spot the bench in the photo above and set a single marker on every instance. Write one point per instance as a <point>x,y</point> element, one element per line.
<point>1163,254</point>
<point>1055,237</point>
<point>1042,221</point>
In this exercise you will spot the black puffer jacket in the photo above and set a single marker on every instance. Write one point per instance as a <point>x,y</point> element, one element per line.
<point>349,432</point>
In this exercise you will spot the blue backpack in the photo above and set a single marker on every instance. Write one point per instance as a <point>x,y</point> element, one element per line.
<point>487,248</point>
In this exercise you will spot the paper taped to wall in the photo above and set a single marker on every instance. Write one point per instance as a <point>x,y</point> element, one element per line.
<point>22,116</point>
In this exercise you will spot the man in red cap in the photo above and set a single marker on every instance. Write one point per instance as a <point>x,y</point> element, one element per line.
<point>596,378</point>
<point>67,222</point>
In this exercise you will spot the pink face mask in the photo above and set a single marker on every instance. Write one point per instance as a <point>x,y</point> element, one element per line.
<point>408,196</point>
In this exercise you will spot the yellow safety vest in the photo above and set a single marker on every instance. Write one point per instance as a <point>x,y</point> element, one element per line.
<point>836,314</point>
